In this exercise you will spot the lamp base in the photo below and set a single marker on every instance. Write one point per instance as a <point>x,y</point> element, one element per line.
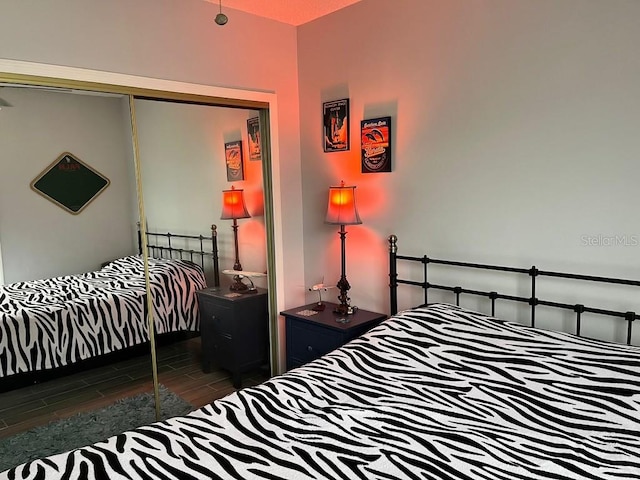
<point>237,285</point>
<point>344,309</point>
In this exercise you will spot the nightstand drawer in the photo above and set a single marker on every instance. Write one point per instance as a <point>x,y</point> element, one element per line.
<point>223,350</point>
<point>308,342</point>
<point>216,316</point>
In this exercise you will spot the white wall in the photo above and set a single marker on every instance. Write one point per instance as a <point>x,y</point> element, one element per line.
<point>40,239</point>
<point>176,40</point>
<point>514,134</point>
<point>514,120</point>
<point>184,173</point>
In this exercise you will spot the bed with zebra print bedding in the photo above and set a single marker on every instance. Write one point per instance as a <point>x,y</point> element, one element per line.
<point>46,324</point>
<point>436,392</point>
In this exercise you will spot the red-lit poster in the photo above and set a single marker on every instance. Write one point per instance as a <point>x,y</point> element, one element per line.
<point>335,120</point>
<point>233,156</point>
<point>253,132</point>
<point>376,145</point>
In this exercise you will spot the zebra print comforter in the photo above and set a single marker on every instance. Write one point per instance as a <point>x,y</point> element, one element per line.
<point>55,322</point>
<point>432,393</point>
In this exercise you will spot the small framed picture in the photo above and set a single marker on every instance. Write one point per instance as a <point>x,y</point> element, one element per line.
<point>233,157</point>
<point>335,121</point>
<point>253,132</point>
<point>376,145</point>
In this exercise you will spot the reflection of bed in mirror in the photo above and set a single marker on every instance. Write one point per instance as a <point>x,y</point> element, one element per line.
<point>55,326</point>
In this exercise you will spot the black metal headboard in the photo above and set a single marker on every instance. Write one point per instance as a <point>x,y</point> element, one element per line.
<point>532,300</point>
<point>167,250</point>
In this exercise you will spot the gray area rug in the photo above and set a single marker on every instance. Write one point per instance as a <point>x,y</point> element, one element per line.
<point>90,427</point>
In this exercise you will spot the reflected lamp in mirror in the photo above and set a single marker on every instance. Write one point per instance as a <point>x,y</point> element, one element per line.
<point>342,211</point>
<point>234,208</point>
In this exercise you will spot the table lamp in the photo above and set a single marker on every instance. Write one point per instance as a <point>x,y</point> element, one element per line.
<point>342,211</point>
<point>233,208</point>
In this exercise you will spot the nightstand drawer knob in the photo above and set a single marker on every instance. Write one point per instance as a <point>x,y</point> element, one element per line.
<point>309,348</point>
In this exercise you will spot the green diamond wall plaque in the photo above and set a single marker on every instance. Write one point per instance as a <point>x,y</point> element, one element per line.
<point>70,183</point>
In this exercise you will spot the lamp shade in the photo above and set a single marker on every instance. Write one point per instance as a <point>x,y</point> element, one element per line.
<point>342,206</point>
<point>233,206</point>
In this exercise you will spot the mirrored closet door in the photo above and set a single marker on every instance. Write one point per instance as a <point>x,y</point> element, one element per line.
<point>184,155</point>
<point>191,157</point>
<point>72,339</point>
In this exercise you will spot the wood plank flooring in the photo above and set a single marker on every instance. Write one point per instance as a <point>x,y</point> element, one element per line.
<point>179,369</point>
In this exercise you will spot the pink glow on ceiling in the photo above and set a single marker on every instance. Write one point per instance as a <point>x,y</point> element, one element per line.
<point>293,12</point>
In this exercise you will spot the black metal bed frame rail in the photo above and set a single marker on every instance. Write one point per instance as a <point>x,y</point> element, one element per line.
<point>532,300</point>
<point>168,250</point>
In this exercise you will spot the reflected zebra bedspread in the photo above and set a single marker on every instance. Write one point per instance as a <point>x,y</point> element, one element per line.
<point>55,322</point>
<point>432,393</point>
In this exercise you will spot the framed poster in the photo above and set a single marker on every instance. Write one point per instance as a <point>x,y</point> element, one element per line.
<point>335,121</point>
<point>376,145</point>
<point>70,183</point>
<point>253,132</point>
<point>233,157</point>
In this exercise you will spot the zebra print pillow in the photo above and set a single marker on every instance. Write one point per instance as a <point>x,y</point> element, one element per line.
<point>433,393</point>
<point>54,322</point>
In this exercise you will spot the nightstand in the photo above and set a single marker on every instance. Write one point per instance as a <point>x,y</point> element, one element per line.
<point>234,330</point>
<point>311,334</point>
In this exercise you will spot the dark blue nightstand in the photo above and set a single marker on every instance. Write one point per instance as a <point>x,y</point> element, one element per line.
<point>311,334</point>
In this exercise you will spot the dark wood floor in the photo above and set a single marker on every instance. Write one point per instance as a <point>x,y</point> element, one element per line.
<point>179,369</point>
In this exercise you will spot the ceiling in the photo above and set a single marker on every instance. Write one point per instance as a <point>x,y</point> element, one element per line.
<point>293,12</point>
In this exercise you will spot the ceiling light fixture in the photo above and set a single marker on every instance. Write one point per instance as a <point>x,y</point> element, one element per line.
<point>221,18</point>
